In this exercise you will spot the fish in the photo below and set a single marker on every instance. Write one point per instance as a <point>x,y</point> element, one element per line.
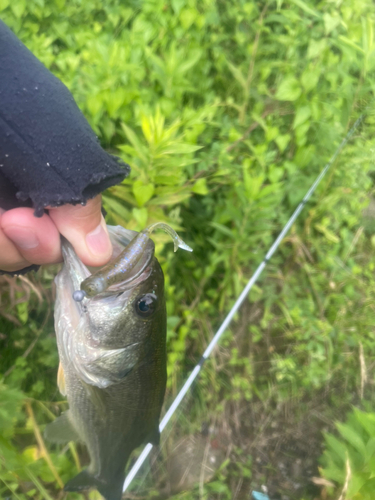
<point>112,349</point>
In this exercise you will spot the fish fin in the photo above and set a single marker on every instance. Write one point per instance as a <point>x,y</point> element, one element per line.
<point>61,430</point>
<point>82,481</point>
<point>96,396</point>
<point>113,365</point>
<point>108,366</point>
<point>61,380</point>
<point>155,436</point>
<point>111,490</point>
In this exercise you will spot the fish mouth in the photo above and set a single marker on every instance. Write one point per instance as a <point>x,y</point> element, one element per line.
<point>120,238</point>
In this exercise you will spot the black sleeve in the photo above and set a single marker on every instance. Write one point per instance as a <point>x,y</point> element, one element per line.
<point>49,155</point>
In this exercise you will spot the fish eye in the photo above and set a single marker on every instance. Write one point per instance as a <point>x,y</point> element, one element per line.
<point>146,305</point>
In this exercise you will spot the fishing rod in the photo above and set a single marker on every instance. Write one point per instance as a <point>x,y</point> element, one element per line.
<point>180,396</point>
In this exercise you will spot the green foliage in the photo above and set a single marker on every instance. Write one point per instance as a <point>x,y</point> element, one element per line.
<point>351,457</point>
<point>226,112</point>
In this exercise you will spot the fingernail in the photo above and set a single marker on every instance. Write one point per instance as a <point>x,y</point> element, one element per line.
<point>98,241</point>
<point>22,237</point>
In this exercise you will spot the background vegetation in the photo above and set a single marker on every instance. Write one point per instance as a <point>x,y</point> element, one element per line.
<point>226,111</point>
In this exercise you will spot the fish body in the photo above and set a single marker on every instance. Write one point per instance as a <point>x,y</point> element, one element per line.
<point>112,351</point>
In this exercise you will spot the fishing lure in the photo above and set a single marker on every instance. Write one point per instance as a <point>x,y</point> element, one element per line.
<point>117,270</point>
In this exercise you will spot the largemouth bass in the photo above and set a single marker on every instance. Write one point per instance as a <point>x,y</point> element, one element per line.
<point>112,350</point>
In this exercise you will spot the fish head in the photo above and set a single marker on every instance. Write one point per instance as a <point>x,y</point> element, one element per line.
<point>105,337</point>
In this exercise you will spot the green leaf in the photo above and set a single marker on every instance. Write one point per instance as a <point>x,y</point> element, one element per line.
<point>171,199</point>
<point>111,204</point>
<point>190,62</point>
<point>337,447</point>
<point>200,187</point>
<point>349,43</point>
<point>237,73</point>
<point>309,79</point>
<point>370,450</point>
<point>94,104</point>
<point>330,22</point>
<point>10,401</point>
<point>143,192</point>
<point>316,48</point>
<point>4,4</point>
<point>303,5</point>
<point>282,141</point>
<point>223,229</point>
<point>115,100</point>
<point>327,233</point>
<point>18,7</point>
<point>368,35</point>
<point>141,216</point>
<point>367,420</point>
<point>137,145</point>
<point>179,148</point>
<point>350,435</point>
<point>253,184</point>
<point>22,311</point>
<point>38,484</point>
<point>302,115</point>
<point>187,17</point>
<point>289,89</point>
<point>357,480</point>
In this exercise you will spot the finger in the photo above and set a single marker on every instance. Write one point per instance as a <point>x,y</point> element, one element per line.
<point>10,258</point>
<point>36,238</point>
<point>85,228</point>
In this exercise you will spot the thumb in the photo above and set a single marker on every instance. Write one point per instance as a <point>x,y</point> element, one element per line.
<point>84,227</point>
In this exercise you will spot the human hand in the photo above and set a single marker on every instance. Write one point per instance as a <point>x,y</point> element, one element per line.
<point>26,240</point>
